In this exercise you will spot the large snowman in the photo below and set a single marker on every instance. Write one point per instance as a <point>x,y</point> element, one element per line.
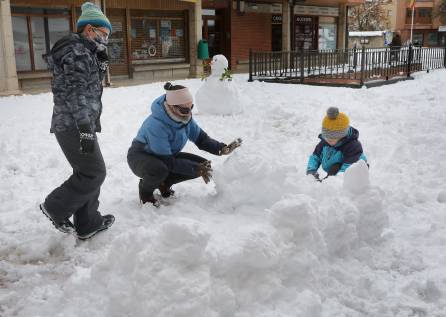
<point>217,96</point>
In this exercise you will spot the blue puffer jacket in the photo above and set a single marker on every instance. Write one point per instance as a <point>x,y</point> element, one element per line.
<point>347,151</point>
<point>164,137</point>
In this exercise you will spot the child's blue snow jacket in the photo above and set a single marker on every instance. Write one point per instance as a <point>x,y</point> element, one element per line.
<point>164,137</point>
<point>347,151</point>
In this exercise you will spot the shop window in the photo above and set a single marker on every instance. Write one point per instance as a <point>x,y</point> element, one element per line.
<point>155,38</point>
<point>432,39</point>
<point>418,39</point>
<point>38,42</point>
<point>305,28</point>
<point>327,36</point>
<point>442,39</point>
<point>21,43</point>
<point>35,31</point>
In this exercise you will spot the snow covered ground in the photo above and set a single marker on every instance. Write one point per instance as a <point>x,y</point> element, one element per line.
<point>263,239</point>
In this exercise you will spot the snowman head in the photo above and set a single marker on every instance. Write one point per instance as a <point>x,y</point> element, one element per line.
<point>218,64</point>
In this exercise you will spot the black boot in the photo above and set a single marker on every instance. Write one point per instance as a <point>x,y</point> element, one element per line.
<point>107,222</point>
<point>166,191</point>
<point>65,226</point>
<point>146,197</point>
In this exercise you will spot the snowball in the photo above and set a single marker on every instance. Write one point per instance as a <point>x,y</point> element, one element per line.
<point>441,198</point>
<point>356,179</point>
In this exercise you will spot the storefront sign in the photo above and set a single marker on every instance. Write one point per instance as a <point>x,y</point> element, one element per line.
<point>254,7</point>
<point>313,10</point>
<point>442,28</point>
<point>276,19</point>
<point>304,20</point>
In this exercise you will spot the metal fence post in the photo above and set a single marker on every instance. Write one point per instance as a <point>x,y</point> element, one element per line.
<point>409,59</point>
<point>362,66</point>
<point>444,56</point>
<point>302,71</point>
<point>250,65</point>
<point>355,57</point>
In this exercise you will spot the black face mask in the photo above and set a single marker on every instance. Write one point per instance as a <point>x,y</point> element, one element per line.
<point>183,110</point>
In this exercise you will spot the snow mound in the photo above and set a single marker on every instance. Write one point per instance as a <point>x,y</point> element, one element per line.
<point>262,239</point>
<point>160,262</point>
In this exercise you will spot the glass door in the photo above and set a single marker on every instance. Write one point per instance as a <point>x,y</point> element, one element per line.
<point>305,32</point>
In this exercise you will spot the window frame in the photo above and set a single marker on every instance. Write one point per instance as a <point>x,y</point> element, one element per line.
<point>158,16</point>
<point>29,17</point>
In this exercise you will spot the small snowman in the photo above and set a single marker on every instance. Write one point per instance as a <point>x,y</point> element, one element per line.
<point>219,95</point>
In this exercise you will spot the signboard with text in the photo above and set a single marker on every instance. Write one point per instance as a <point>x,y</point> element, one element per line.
<point>313,10</point>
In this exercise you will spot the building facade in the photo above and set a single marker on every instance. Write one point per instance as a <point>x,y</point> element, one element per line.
<point>429,28</point>
<point>156,40</point>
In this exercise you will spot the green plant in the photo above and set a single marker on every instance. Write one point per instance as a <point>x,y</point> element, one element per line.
<point>226,75</point>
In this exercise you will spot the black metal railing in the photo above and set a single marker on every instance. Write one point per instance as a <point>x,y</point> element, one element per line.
<point>351,65</point>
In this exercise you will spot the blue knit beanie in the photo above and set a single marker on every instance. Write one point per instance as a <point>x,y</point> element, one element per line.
<point>91,14</point>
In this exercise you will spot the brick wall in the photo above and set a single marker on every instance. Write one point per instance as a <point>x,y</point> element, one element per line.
<point>251,30</point>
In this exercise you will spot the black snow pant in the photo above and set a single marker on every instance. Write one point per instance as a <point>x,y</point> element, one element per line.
<point>78,196</point>
<point>153,171</point>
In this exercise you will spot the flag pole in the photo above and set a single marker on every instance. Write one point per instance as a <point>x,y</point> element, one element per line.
<point>411,27</point>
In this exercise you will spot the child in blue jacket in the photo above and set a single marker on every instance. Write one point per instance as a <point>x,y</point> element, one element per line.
<point>155,154</point>
<point>339,146</point>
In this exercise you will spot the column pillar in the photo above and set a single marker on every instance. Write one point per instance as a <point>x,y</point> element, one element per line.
<point>286,26</point>
<point>8,74</point>
<point>342,26</point>
<point>195,34</point>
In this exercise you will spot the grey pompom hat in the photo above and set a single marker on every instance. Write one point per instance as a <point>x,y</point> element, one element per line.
<point>335,124</point>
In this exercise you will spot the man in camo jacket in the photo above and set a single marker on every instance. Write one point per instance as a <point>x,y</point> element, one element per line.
<point>78,62</point>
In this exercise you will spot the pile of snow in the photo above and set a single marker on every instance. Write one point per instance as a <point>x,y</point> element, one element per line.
<point>262,239</point>
<point>220,97</point>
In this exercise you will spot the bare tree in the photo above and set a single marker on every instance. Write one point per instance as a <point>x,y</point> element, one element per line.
<point>370,16</point>
<point>440,11</point>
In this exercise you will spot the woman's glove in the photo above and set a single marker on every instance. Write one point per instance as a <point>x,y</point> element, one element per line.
<point>204,170</point>
<point>227,149</point>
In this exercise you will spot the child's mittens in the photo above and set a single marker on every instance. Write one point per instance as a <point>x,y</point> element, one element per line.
<point>315,175</point>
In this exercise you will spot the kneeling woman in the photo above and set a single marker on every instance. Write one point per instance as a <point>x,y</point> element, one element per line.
<point>155,155</point>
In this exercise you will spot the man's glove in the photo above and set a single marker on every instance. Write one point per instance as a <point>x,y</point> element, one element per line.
<point>334,169</point>
<point>204,170</point>
<point>87,139</point>
<point>103,61</point>
<point>315,175</point>
<point>227,149</point>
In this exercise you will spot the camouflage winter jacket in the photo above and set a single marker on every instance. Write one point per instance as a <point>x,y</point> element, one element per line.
<point>76,84</point>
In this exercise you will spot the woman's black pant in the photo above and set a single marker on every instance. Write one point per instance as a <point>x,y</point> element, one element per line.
<point>153,171</point>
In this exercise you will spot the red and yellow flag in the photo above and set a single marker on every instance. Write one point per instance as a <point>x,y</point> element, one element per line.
<point>412,3</point>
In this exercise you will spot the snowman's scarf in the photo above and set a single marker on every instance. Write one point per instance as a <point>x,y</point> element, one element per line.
<point>176,118</point>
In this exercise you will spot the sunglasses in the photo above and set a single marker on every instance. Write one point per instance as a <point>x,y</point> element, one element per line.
<point>183,110</point>
<point>102,34</point>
